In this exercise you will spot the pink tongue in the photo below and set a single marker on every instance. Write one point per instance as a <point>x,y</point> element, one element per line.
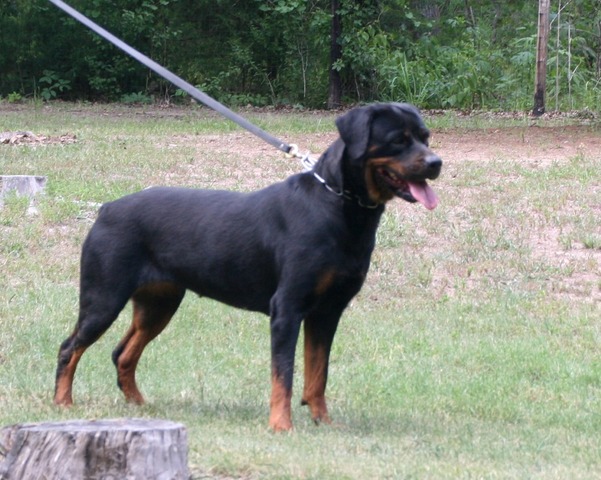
<point>422,192</point>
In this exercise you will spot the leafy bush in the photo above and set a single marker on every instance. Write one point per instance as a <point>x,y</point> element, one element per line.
<point>51,84</point>
<point>451,54</point>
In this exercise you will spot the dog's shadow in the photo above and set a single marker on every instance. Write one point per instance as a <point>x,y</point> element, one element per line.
<point>251,415</point>
<point>203,410</point>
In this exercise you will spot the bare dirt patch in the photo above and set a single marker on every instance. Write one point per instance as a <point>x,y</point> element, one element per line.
<point>533,145</point>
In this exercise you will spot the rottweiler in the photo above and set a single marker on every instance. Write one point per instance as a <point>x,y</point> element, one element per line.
<point>297,251</point>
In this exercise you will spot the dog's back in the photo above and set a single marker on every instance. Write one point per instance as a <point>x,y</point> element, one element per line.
<point>211,242</point>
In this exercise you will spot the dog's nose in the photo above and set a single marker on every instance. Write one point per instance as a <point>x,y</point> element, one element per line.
<point>433,165</point>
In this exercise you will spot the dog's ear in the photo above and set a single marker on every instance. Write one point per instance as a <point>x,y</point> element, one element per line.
<point>355,126</point>
<point>354,130</point>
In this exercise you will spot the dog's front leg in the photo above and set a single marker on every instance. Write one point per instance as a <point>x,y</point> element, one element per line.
<point>320,328</point>
<point>284,335</point>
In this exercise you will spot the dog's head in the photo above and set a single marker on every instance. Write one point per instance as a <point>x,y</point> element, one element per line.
<point>387,144</point>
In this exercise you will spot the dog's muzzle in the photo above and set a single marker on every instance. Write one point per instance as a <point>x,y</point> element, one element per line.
<point>433,166</point>
<point>416,189</point>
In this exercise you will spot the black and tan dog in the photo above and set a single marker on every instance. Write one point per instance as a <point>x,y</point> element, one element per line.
<point>298,250</point>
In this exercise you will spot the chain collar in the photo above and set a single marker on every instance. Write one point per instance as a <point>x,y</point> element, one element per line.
<point>346,194</point>
<point>309,163</point>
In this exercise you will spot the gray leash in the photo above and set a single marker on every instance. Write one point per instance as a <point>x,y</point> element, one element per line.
<point>291,149</point>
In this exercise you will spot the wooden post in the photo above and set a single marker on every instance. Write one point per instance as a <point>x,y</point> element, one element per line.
<point>136,449</point>
<point>544,7</point>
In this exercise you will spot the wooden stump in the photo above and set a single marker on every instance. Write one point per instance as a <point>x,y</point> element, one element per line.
<point>22,185</point>
<point>129,449</point>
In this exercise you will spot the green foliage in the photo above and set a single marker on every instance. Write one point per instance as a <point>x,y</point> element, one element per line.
<point>51,84</point>
<point>438,54</point>
<point>14,97</point>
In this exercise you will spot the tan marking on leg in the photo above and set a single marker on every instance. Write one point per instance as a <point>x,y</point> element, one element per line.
<point>150,318</point>
<point>280,417</point>
<point>133,344</point>
<point>126,367</point>
<point>64,383</point>
<point>316,364</point>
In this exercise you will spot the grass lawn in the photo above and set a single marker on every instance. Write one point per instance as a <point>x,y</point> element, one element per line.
<point>473,350</point>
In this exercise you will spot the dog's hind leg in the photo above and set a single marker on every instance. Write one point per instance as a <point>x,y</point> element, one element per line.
<point>319,333</point>
<point>95,317</point>
<point>153,307</point>
<point>68,358</point>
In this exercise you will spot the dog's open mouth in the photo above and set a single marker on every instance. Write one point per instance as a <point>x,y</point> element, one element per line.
<point>411,191</point>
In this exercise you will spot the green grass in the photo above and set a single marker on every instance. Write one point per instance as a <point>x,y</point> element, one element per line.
<point>471,352</point>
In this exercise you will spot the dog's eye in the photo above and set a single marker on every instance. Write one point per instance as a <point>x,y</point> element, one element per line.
<point>402,139</point>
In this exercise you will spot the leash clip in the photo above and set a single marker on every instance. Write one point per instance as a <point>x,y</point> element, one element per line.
<point>307,161</point>
<point>292,151</point>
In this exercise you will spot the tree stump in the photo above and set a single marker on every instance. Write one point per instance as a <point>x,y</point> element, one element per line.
<point>118,449</point>
<point>28,185</point>
<point>22,185</point>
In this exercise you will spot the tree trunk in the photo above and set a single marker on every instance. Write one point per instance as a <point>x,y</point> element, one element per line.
<point>544,7</point>
<point>335,81</point>
<point>598,64</point>
<point>89,450</point>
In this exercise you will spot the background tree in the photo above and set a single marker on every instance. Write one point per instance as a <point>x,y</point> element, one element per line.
<point>542,41</point>
<point>437,54</point>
